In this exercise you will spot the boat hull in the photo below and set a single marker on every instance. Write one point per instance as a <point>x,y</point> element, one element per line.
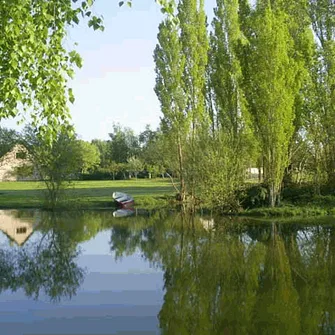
<point>123,200</point>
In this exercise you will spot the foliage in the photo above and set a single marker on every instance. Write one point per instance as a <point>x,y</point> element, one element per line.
<point>254,196</point>
<point>35,65</point>
<point>169,69</point>
<point>322,113</point>
<point>227,150</point>
<point>57,164</point>
<point>272,91</point>
<point>104,151</point>
<point>258,90</point>
<point>181,58</point>
<point>134,165</point>
<point>24,171</point>
<point>123,144</point>
<point>8,138</point>
<point>89,156</point>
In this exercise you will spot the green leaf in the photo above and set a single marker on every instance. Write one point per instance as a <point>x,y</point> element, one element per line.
<point>71,96</point>
<point>70,73</point>
<point>75,19</point>
<point>14,64</point>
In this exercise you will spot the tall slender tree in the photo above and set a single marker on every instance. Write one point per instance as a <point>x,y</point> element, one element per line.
<point>230,118</point>
<point>322,13</point>
<point>194,46</point>
<point>272,90</point>
<point>181,59</point>
<point>170,63</point>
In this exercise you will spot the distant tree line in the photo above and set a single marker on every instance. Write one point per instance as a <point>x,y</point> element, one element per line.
<point>124,155</point>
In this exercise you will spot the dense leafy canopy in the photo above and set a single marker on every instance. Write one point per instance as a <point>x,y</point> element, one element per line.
<point>35,66</point>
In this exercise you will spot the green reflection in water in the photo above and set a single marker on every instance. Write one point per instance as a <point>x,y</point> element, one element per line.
<point>221,276</point>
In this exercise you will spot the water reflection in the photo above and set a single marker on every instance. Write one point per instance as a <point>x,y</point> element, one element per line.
<point>17,227</point>
<point>238,277</point>
<point>46,264</point>
<point>221,276</point>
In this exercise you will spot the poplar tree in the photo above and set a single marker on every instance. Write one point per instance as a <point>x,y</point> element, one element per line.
<point>231,145</point>
<point>322,117</point>
<point>181,59</point>
<point>226,73</point>
<point>272,91</point>
<point>299,26</point>
<point>170,64</point>
<point>194,47</point>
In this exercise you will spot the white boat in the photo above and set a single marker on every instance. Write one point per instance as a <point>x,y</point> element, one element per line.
<point>123,199</point>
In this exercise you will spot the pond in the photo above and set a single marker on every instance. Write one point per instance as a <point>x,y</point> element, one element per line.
<point>164,273</point>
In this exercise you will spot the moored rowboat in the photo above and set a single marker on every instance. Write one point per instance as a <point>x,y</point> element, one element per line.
<point>123,199</point>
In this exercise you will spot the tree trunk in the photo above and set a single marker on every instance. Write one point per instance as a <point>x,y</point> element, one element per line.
<point>272,195</point>
<point>181,172</point>
<point>259,167</point>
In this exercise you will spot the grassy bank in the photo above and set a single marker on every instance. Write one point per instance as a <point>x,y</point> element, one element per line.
<point>318,206</point>
<point>148,193</point>
<point>289,211</point>
<point>87,194</point>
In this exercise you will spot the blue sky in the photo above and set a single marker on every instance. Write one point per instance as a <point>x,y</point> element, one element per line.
<point>115,84</point>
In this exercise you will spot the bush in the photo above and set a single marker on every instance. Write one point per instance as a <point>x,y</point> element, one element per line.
<point>99,174</point>
<point>298,193</point>
<point>254,196</point>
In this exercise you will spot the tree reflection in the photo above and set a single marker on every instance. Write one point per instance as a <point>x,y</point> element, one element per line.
<point>246,278</point>
<point>221,275</point>
<point>50,266</point>
<point>47,264</point>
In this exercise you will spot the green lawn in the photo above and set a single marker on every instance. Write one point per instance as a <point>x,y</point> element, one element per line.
<point>86,194</point>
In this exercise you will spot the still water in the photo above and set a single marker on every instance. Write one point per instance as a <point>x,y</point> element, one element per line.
<point>164,273</point>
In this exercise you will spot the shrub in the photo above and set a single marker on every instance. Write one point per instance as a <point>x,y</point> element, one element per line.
<point>254,196</point>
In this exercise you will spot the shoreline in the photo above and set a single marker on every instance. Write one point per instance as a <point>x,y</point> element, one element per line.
<point>148,194</point>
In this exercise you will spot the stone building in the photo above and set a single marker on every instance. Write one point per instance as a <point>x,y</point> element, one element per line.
<point>16,157</point>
